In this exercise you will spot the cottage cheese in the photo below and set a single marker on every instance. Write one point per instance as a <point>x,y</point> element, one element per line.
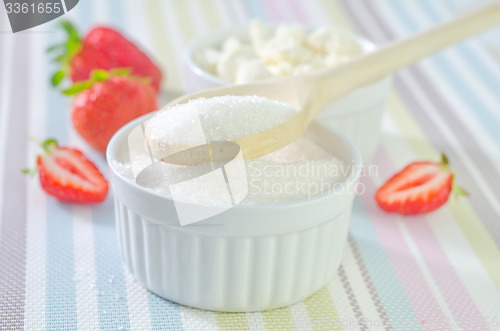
<point>288,49</point>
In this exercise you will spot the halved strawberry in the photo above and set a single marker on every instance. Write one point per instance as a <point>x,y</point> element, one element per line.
<point>65,173</point>
<point>419,188</point>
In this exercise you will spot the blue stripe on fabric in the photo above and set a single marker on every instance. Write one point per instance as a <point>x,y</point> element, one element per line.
<point>60,291</point>
<point>474,105</point>
<point>109,270</point>
<point>84,14</point>
<point>110,280</point>
<point>256,10</point>
<point>380,270</point>
<point>165,315</point>
<point>115,10</point>
<point>489,75</point>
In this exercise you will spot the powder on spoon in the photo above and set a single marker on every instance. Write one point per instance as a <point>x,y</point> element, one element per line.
<point>297,171</point>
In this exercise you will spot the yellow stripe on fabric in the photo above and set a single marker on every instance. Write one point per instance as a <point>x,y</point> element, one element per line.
<point>322,312</point>
<point>413,134</point>
<point>163,42</point>
<point>184,20</point>
<point>468,221</point>
<point>231,321</point>
<point>212,16</point>
<point>278,319</point>
<point>478,237</point>
<point>334,10</point>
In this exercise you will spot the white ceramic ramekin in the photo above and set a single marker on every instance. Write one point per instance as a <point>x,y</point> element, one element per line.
<point>358,115</point>
<point>247,258</point>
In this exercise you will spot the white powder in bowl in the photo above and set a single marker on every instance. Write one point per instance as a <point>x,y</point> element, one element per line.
<point>297,171</point>
<point>225,118</point>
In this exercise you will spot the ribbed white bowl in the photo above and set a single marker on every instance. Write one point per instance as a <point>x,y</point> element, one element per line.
<point>247,258</point>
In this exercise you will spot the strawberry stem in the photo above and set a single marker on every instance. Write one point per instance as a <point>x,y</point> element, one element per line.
<point>444,160</point>
<point>458,191</point>
<point>49,145</point>
<point>455,189</point>
<point>30,171</point>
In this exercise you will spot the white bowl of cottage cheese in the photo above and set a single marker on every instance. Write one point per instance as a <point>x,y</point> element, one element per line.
<point>260,52</point>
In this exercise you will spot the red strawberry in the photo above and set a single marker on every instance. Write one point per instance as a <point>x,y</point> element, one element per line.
<point>107,102</point>
<point>102,48</point>
<point>419,188</point>
<point>65,173</point>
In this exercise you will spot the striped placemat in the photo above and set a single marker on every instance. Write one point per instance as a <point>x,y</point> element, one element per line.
<point>60,266</point>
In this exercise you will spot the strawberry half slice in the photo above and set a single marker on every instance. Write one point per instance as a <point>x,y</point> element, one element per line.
<point>66,174</point>
<point>419,188</point>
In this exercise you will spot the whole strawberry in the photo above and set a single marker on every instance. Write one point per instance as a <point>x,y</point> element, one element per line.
<point>102,48</point>
<point>419,188</point>
<point>66,174</point>
<point>108,101</point>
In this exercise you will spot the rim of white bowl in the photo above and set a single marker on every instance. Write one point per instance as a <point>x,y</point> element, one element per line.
<point>355,173</point>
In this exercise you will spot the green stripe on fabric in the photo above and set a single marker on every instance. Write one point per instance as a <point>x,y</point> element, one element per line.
<point>164,45</point>
<point>212,14</point>
<point>232,321</point>
<point>334,10</point>
<point>185,20</point>
<point>322,312</point>
<point>412,133</point>
<point>468,221</point>
<point>479,238</point>
<point>278,319</point>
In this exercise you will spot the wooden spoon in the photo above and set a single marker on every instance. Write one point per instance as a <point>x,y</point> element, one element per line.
<point>312,92</point>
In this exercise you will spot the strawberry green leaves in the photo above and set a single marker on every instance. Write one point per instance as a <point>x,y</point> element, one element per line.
<point>100,75</point>
<point>63,53</point>
<point>57,77</point>
<point>78,87</point>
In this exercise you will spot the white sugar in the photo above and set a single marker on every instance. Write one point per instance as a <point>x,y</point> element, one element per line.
<point>297,171</point>
<point>226,118</point>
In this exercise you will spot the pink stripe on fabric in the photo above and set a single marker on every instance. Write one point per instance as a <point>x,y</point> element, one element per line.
<point>412,281</point>
<point>273,9</point>
<point>451,287</point>
<point>278,14</point>
<point>299,12</point>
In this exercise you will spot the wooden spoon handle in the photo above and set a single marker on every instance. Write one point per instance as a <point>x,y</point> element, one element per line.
<point>336,82</point>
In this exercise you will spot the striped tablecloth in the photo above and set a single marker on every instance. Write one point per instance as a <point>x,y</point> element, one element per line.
<point>60,266</point>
